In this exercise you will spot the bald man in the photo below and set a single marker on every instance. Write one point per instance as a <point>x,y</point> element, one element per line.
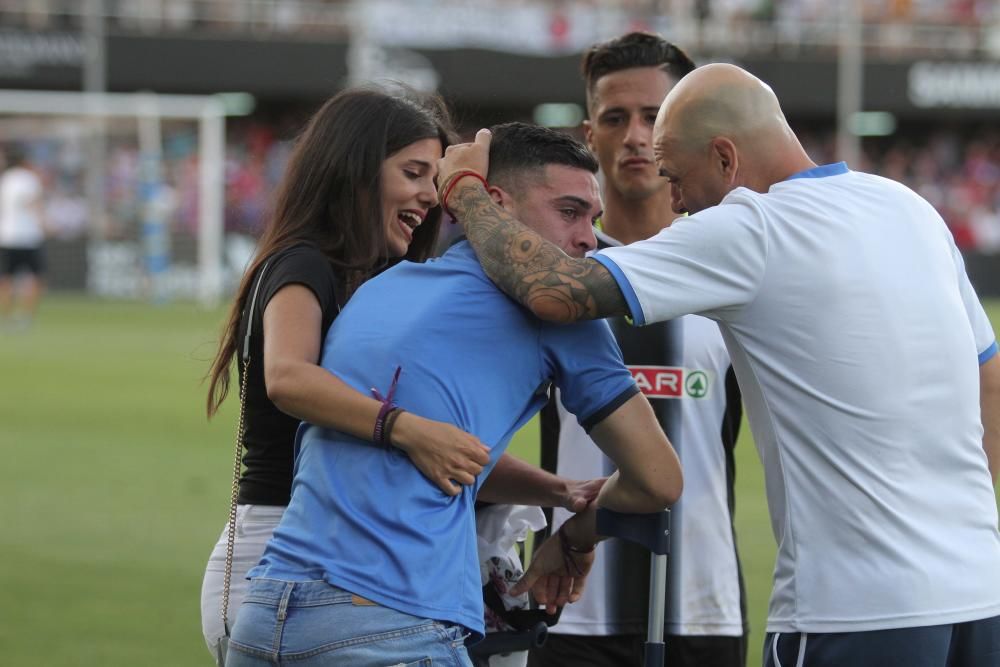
<point>867,364</point>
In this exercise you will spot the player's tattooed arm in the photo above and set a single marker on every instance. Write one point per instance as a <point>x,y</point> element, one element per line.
<point>553,285</point>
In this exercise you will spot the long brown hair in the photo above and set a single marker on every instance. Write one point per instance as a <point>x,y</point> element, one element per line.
<point>330,195</point>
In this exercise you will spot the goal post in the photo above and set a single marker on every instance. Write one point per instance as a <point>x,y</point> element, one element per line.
<point>148,110</point>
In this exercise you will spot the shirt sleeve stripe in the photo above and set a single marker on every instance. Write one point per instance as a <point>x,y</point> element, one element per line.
<point>609,407</point>
<point>988,353</point>
<point>625,286</point>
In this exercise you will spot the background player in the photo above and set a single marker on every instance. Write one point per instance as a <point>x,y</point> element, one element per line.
<point>22,236</point>
<point>683,368</point>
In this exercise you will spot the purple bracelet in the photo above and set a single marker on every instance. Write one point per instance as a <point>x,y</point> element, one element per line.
<point>390,423</point>
<point>380,433</point>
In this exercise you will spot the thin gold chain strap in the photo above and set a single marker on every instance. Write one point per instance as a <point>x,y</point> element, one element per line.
<point>237,466</point>
<point>238,459</point>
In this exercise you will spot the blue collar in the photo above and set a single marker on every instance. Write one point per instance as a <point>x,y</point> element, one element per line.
<point>821,171</point>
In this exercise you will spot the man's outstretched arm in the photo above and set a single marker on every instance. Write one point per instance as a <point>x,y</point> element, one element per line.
<point>529,269</point>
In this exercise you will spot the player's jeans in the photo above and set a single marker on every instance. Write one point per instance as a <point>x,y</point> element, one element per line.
<point>314,624</point>
<point>254,526</point>
<point>972,644</point>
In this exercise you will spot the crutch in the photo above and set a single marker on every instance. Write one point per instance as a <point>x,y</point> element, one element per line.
<point>653,532</point>
<point>508,642</point>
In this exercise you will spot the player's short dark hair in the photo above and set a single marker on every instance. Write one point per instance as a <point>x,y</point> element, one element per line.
<point>517,148</point>
<point>635,49</point>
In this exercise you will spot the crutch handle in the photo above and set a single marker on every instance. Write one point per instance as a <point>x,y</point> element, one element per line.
<point>648,530</point>
<point>651,531</point>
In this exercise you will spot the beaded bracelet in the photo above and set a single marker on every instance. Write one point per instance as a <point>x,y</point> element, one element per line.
<point>455,178</point>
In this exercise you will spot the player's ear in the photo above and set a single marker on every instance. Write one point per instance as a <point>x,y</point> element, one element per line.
<point>726,158</point>
<point>588,133</point>
<point>500,196</point>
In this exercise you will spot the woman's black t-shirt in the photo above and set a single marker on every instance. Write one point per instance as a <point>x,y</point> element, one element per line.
<point>270,433</point>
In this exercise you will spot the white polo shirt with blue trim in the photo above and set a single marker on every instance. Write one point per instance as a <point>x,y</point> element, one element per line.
<point>856,338</point>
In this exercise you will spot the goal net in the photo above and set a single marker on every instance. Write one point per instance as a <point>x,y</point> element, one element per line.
<point>133,190</point>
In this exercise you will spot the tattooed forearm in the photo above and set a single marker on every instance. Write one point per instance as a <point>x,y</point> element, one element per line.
<point>531,270</point>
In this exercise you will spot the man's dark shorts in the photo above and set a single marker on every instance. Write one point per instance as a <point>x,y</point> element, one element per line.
<point>972,644</point>
<point>18,260</point>
<point>619,650</point>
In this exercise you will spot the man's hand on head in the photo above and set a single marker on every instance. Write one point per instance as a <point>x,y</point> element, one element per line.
<point>474,157</point>
<point>523,264</point>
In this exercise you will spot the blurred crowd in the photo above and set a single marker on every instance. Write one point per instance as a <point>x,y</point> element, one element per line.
<point>255,158</point>
<point>891,28</point>
<point>331,16</point>
<point>957,170</point>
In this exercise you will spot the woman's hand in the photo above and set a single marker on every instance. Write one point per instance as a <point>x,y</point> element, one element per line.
<point>444,453</point>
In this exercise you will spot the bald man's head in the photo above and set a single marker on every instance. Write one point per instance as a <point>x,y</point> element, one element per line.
<point>729,119</point>
<point>720,100</point>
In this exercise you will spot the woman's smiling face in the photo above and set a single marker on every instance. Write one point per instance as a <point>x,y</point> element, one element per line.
<point>408,191</point>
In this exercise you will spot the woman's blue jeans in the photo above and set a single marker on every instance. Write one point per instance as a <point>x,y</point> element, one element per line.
<point>313,624</point>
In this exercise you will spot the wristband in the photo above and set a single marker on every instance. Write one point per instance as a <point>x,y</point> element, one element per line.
<point>450,185</point>
<point>568,550</point>
<point>379,434</point>
<point>390,422</point>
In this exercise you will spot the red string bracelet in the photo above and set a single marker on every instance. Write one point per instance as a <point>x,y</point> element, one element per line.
<point>455,178</point>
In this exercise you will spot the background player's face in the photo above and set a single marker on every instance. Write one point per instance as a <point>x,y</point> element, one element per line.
<point>561,206</point>
<point>620,129</point>
<point>408,191</point>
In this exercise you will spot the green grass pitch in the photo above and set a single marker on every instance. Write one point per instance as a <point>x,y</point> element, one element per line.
<point>114,486</point>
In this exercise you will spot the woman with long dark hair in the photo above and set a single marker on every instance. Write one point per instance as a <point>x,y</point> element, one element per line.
<point>359,191</point>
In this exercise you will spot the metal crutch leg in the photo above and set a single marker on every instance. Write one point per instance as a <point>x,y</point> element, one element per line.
<point>653,532</point>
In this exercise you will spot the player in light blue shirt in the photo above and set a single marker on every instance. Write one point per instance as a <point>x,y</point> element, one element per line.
<point>372,563</point>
